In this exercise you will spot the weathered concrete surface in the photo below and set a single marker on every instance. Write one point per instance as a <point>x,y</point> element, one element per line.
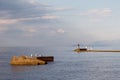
<point>23,60</point>
<point>46,58</point>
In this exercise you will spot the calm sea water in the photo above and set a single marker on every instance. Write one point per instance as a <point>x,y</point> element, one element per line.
<point>67,65</point>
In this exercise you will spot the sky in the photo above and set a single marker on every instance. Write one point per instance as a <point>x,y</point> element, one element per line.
<point>58,22</point>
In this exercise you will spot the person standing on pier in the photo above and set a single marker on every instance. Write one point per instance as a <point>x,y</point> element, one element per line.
<point>78,45</point>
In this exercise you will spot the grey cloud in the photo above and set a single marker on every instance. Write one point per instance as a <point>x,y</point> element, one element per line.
<point>27,19</point>
<point>24,13</point>
<point>21,9</point>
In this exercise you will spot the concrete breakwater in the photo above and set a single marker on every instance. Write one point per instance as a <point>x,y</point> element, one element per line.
<point>103,50</point>
<point>46,58</point>
<point>24,60</point>
<point>86,50</point>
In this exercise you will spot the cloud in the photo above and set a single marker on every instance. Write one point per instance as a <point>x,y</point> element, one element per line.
<point>44,17</point>
<point>60,31</point>
<point>21,13</point>
<point>97,12</point>
<point>30,30</point>
<point>7,21</point>
<point>15,9</point>
<point>50,17</point>
<point>63,9</point>
<point>29,21</point>
<point>96,15</point>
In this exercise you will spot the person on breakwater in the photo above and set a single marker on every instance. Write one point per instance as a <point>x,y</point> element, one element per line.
<point>78,45</point>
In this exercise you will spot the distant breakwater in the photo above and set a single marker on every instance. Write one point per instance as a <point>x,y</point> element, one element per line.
<point>103,51</point>
<point>86,50</point>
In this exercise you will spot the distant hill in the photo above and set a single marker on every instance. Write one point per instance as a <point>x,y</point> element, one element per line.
<point>107,43</point>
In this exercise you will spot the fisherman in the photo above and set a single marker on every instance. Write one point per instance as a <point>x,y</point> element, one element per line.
<point>78,45</point>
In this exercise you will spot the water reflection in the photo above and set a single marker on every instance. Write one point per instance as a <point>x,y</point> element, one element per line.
<point>16,68</point>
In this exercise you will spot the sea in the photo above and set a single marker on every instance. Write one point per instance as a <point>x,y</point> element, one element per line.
<point>67,64</point>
